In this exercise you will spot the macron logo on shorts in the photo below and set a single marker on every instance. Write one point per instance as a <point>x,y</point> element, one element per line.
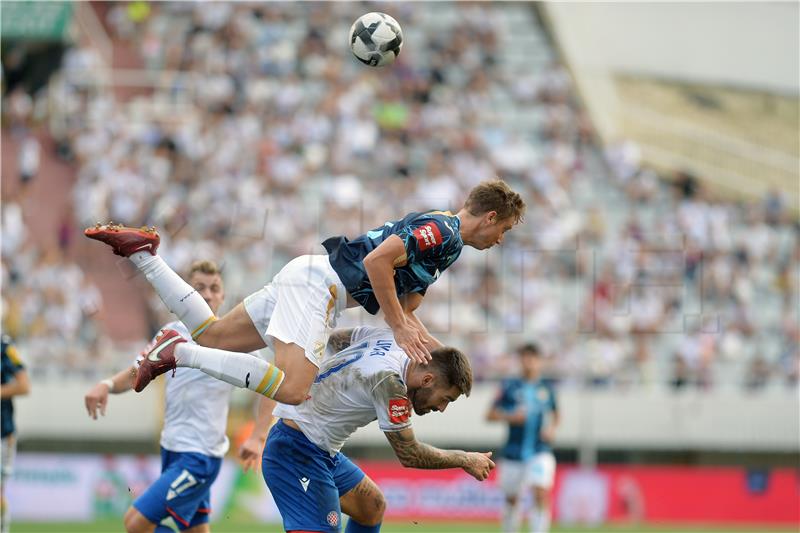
<point>428,236</point>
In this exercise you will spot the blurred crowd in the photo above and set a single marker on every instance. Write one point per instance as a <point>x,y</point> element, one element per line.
<point>260,136</point>
<point>49,304</point>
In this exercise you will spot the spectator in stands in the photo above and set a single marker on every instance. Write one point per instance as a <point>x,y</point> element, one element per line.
<point>284,123</point>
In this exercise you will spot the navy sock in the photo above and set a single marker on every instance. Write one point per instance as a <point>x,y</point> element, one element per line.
<point>355,527</point>
<point>163,529</point>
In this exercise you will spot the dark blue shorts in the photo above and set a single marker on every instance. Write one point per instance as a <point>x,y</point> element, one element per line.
<point>305,481</point>
<point>183,491</point>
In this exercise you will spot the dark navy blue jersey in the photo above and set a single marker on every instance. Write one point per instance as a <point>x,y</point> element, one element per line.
<point>539,402</point>
<point>432,241</point>
<point>10,366</point>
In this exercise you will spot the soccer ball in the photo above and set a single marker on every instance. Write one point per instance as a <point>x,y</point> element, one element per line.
<point>376,39</point>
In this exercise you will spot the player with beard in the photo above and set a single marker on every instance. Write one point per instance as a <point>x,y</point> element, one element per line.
<point>370,377</point>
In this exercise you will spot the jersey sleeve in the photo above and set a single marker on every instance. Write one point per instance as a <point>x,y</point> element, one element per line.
<point>425,237</point>
<point>392,405</point>
<point>14,358</point>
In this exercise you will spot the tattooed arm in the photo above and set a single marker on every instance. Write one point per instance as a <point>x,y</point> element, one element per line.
<point>339,340</point>
<point>415,454</point>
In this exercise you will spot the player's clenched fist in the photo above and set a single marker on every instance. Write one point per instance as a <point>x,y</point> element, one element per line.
<point>479,464</point>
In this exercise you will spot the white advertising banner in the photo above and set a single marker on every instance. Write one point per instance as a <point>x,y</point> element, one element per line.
<point>65,488</point>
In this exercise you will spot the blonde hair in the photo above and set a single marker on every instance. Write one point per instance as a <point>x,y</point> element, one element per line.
<point>204,267</point>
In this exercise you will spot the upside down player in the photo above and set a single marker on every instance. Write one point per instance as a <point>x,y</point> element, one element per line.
<point>369,378</point>
<point>193,440</point>
<point>388,268</point>
<point>529,407</point>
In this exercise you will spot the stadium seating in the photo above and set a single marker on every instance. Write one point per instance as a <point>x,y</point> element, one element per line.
<point>249,156</point>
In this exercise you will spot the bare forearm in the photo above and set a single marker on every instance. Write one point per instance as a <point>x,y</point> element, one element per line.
<point>433,342</point>
<point>263,418</point>
<point>425,456</point>
<point>123,380</point>
<point>381,276</point>
<point>514,417</point>
<point>13,389</point>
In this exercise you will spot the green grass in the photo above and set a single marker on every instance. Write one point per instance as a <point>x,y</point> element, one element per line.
<point>391,527</point>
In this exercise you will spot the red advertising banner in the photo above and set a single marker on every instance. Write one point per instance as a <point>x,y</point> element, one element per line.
<point>636,494</point>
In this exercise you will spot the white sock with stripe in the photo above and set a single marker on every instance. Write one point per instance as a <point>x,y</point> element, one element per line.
<point>239,369</point>
<point>179,297</point>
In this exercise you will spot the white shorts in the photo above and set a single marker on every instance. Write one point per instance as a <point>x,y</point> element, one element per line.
<point>7,453</point>
<point>300,306</point>
<point>538,471</point>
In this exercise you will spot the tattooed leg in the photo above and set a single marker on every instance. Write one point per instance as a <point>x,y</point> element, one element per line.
<point>364,503</point>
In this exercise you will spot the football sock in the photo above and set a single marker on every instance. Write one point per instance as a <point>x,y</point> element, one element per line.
<point>239,369</point>
<point>539,520</point>
<point>179,297</point>
<point>355,527</point>
<point>163,529</point>
<point>512,518</point>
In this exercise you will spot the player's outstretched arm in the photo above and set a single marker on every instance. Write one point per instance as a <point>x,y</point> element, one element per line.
<point>251,449</point>
<point>415,454</point>
<point>516,417</point>
<point>97,397</point>
<point>411,303</point>
<point>380,264</point>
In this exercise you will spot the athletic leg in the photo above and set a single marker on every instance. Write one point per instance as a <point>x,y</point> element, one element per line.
<point>540,511</point>
<point>5,527</point>
<point>182,492</point>
<point>299,373</point>
<point>140,246</point>
<point>542,476</point>
<point>365,505</point>
<point>299,476</point>
<point>511,476</point>
<point>300,322</point>
<point>136,522</point>
<point>234,332</point>
<point>244,328</point>
<point>9,448</point>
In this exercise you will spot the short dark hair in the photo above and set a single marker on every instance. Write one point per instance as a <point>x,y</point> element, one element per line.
<point>495,195</point>
<point>452,365</point>
<point>204,267</point>
<point>531,348</point>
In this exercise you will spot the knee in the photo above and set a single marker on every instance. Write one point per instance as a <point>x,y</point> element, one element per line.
<point>374,512</point>
<point>291,395</point>
<point>293,391</point>
<point>542,498</point>
<point>134,521</point>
